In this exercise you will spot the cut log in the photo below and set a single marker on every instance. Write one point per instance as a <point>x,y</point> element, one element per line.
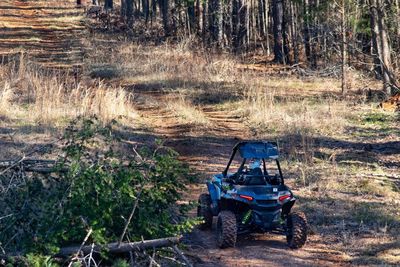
<point>116,248</point>
<point>32,165</point>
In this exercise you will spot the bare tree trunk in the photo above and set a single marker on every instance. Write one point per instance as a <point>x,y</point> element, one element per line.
<point>108,4</point>
<point>381,44</point>
<point>220,23</point>
<point>129,12</point>
<point>266,29</point>
<point>243,13</point>
<point>227,20</point>
<point>205,20</point>
<point>123,9</point>
<point>261,23</point>
<point>293,31</point>
<point>235,24</point>
<point>398,20</point>
<point>314,35</point>
<point>191,16</point>
<point>280,44</point>
<point>306,20</point>
<point>344,48</point>
<point>146,10</point>
<point>215,22</point>
<point>239,29</point>
<point>247,23</point>
<point>164,4</point>
<point>197,13</point>
<point>375,45</point>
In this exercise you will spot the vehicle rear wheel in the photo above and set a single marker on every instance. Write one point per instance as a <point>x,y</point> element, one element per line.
<point>226,229</point>
<point>296,236</point>
<point>204,211</point>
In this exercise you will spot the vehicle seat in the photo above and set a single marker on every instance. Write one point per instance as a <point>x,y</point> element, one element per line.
<point>255,177</point>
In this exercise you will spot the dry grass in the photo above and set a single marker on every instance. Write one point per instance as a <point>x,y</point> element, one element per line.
<point>266,114</point>
<point>35,96</point>
<point>186,112</point>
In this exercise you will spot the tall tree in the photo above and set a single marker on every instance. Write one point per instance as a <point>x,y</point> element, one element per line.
<point>344,47</point>
<point>123,9</point>
<point>215,21</point>
<point>164,8</point>
<point>191,12</point>
<point>281,49</point>
<point>129,12</point>
<point>381,48</point>
<point>293,31</point>
<point>239,29</point>
<point>306,27</point>
<point>108,4</point>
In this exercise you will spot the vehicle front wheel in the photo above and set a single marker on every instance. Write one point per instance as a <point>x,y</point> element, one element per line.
<point>226,229</point>
<point>204,211</point>
<point>296,236</point>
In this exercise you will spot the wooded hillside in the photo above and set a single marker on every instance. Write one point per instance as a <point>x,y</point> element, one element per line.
<point>361,34</point>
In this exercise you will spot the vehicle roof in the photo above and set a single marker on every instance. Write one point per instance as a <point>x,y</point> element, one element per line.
<point>258,149</point>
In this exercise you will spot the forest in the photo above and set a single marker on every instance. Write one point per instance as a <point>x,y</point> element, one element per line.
<point>117,118</point>
<point>353,34</point>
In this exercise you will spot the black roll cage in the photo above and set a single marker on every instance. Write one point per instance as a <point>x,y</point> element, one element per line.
<point>234,151</point>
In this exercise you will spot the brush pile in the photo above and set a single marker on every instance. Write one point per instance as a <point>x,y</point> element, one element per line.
<point>91,201</point>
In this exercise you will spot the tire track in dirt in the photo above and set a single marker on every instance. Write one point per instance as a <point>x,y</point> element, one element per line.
<point>48,33</point>
<point>205,148</point>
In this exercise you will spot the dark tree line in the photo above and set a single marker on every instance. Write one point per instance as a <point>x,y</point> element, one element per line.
<point>351,33</point>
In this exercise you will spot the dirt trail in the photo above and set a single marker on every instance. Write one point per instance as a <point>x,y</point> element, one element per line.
<point>50,33</point>
<point>47,32</point>
<point>207,150</point>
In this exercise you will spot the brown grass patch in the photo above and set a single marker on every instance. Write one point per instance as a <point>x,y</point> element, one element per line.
<point>37,96</point>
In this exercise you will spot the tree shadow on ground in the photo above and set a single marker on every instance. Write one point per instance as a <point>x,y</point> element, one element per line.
<point>375,254</point>
<point>363,151</point>
<point>347,222</point>
<point>199,92</point>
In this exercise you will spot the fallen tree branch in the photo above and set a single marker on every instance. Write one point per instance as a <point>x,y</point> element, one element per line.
<point>13,165</point>
<point>31,165</point>
<point>84,242</point>
<point>181,255</point>
<point>130,216</point>
<point>8,163</point>
<point>33,151</point>
<point>6,216</point>
<point>116,248</point>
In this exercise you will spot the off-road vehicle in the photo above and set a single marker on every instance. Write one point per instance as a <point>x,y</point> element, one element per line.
<point>252,199</point>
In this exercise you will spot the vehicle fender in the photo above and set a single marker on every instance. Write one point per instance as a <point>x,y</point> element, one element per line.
<point>288,206</point>
<point>215,194</point>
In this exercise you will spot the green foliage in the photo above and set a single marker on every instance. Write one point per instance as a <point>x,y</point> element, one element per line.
<point>377,118</point>
<point>120,263</point>
<point>97,191</point>
<point>33,260</point>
